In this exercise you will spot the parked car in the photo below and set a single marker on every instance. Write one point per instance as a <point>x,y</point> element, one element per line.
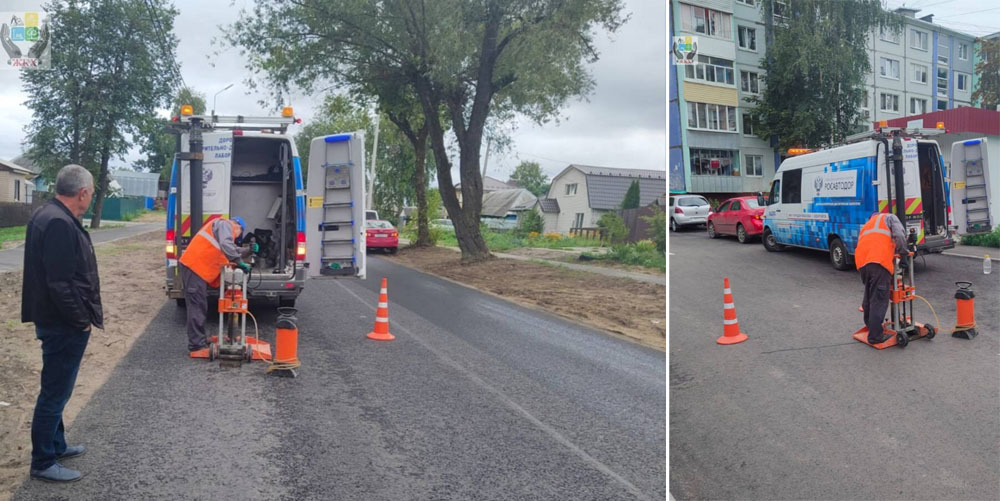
<point>370,215</point>
<point>444,224</point>
<point>740,216</point>
<point>688,210</point>
<point>381,235</point>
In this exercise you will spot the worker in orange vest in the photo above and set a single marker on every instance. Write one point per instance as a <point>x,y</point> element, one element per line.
<point>881,239</point>
<point>214,246</point>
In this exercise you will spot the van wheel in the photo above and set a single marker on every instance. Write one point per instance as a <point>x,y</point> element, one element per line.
<point>741,234</point>
<point>839,257</point>
<point>771,243</point>
<point>711,231</point>
<point>673,225</point>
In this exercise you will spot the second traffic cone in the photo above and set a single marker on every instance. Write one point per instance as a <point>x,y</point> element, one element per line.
<point>381,332</point>
<point>730,326</point>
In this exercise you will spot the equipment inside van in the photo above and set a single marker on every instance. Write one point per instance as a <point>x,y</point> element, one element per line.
<point>821,200</point>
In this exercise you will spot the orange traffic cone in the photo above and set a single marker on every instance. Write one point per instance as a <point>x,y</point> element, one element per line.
<point>381,332</point>
<point>731,327</point>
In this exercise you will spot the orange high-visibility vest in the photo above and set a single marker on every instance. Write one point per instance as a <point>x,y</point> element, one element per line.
<point>204,256</point>
<point>875,244</point>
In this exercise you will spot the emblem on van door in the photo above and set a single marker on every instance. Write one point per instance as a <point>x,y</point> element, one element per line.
<point>206,176</point>
<point>818,184</point>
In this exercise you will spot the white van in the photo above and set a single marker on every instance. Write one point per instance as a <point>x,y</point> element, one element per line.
<point>821,200</point>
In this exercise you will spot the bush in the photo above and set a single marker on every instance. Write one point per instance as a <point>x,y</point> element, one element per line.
<point>991,239</point>
<point>614,227</point>
<point>640,254</point>
<point>657,229</point>
<point>531,222</point>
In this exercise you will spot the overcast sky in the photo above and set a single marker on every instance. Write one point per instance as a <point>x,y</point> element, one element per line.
<point>621,124</point>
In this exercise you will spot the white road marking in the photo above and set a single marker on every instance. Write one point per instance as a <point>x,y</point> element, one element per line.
<point>517,408</point>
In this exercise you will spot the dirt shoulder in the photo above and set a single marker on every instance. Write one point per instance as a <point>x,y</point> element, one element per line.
<point>563,256</point>
<point>621,306</point>
<point>131,291</point>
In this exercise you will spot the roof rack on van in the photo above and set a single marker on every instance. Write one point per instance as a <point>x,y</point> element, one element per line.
<point>242,122</point>
<point>887,131</point>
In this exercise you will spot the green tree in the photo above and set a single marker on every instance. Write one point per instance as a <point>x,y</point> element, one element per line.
<point>815,70</point>
<point>657,230</point>
<point>614,227</point>
<point>528,175</point>
<point>478,59</point>
<point>531,221</point>
<point>159,146</point>
<point>107,79</point>
<point>632,196</point>
<point>987,92</point>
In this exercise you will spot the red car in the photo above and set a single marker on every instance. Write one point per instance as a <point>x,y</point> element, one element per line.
<point>740,216</point>
<point>381,235</point>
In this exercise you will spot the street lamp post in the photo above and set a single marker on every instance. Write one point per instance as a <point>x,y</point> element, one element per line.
<point>217,96</point>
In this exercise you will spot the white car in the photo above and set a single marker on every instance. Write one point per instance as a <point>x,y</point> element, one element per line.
<point>688,210</point>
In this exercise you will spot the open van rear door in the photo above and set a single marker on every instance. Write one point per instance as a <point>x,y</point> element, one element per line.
<point>215,179</point>
<point>335,206</point>
<point>970,184</point>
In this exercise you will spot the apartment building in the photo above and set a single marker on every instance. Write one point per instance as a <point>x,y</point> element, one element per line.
<point>713,149</point>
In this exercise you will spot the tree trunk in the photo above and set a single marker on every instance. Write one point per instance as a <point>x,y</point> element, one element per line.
<point>101,190</point>
<point>420,150</point>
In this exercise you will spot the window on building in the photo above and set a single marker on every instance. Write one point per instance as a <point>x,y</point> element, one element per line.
<point>17,189</point>
<point>746,2</point>
<point>919,73</point>
<point>889,68</point>
<point>754,165</point>
<point>918,106</point>
<point>942,50</point>
<point>963,51</point>
<point>706,21</point>
<point>747,125</point>
<point>942,81</point>
<point>889,35</point>
<point>711,69</point>
<point>918,39</point>
<point>889,102</point>
<point>942,104</point>
<point>714,117</point>
<point>714,162</point>
<point>780,12</point>
<point>962,81</point>
<point>747,38</point>
<point>578,220</point>
<point>791,189</point>
<point>571,189</point>
<point>749,82</point>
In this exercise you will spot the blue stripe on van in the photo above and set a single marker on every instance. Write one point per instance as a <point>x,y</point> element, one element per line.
<point>172,197</point>
<point>339,138</point>
<point>300,200</point>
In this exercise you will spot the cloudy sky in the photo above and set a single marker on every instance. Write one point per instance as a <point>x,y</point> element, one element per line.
<point>621,124</point>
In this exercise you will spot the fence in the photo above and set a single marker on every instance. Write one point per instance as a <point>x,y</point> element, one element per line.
<point>587,233</point>
<point>18,214</point>
<point>115,209</point>
<point>638,228</point>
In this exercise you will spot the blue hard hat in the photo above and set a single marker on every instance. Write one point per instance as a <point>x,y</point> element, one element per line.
<point>239,221</point>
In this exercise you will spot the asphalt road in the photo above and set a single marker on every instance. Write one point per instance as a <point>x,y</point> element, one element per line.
<point>801,410</point>
<point>13,259</point>
<point>476,398</point>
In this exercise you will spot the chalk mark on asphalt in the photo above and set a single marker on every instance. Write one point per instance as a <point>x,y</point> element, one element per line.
<point>810,347</point>
<point>552,432</point>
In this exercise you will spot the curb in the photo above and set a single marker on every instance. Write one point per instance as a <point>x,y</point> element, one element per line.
<point>970,256</point>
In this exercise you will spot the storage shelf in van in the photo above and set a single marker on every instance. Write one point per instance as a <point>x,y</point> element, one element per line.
<point>971,186</point>
<point>328,224</point>
<point>344,164</point>
<point>253,181</point>
<point>331,205</point>
<point>339,241</point>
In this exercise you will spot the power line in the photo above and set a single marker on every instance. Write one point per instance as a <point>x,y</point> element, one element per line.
<point>968,13</point>
<point>163,45</point>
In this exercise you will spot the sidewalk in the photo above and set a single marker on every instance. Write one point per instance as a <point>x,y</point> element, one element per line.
<point>611,272</point>
<point>13,259</point>
<point>974,252</point>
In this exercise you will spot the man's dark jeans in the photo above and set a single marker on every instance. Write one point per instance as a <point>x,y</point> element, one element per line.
<point>62,351</point>
<point>878,285</point>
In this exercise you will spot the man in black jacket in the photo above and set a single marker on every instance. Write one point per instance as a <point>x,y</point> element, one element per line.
<point>61,294</point>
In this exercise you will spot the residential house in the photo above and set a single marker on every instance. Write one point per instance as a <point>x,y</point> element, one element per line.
<point>15,183</point>
<point>582,194</point>
<point>490,184</point>
<point>503,208</point>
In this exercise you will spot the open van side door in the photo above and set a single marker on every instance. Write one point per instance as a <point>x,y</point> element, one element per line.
<point>971,189</point>
<point>911,216</point>
<point>335,206</point>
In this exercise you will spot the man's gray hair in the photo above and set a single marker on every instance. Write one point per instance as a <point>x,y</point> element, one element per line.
<point>71,179</point>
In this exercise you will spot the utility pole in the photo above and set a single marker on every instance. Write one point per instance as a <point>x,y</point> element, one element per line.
<point>487,159</point>
<point>371,178</point>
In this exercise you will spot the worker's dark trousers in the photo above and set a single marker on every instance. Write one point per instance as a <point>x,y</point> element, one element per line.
<point>196,297</point>
<point>878,283</point>
<point>62,351</point>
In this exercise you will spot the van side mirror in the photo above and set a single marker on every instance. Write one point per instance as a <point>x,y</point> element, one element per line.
<point>760,199</point>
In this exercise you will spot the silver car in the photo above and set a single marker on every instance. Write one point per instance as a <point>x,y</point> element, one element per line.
<point>688,210</point>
